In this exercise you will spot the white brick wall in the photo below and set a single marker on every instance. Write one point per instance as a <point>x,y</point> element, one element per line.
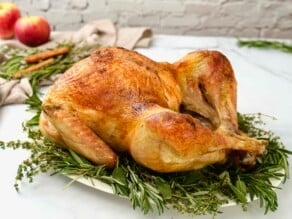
<point>251,18</point>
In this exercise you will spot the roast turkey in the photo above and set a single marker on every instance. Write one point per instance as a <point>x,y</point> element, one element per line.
<point>168,116</point>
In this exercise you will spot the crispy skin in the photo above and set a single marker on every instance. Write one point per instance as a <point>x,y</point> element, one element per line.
<point>119,100</point>
<point>208,76</point>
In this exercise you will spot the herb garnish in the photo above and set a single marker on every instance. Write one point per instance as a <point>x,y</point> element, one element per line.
<point>266,44</point>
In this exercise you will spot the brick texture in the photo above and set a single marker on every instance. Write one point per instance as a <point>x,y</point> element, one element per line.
<point>240,18</point>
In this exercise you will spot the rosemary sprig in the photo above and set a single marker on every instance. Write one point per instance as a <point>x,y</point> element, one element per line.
<point>265,44</point>
<point>10,66</point>
<point>34,104</point>
<point>194,192</point>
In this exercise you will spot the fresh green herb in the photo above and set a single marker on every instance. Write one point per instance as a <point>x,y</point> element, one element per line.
<point>194,192</point>
<point>34,104</point>
<point>10,66</point>
<point>265,44</point>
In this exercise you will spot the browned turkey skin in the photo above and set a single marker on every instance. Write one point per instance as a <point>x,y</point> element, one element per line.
<point>119,100</point>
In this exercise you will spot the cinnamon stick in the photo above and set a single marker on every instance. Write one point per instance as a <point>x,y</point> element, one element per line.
<point>32,68</point>
<point>45,55</point>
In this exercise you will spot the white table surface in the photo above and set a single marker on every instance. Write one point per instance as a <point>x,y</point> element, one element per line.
<point>264,85</point>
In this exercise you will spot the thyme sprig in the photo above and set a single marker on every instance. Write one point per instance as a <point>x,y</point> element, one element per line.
<point>195,192</point>
<point>266,44</point>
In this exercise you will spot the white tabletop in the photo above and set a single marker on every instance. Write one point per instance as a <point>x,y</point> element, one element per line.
<point>264,85</point>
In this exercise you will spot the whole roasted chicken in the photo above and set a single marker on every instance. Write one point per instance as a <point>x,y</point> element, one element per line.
<point>168,117</point>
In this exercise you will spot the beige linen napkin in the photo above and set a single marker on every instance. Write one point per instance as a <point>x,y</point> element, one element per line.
<point>134,37</point>
<point>102,32</point>
<point>14,91</point>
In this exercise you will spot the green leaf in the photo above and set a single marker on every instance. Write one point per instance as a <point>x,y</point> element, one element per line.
<point>192,177</point>
<point>239,194</point>
<point>120,176</point>
<point>240,185</point>
<point>163,187</point>
<point>225,177</point>
<point>76,157</point>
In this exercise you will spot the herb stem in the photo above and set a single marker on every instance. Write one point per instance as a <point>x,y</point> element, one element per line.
<point>265,44</point>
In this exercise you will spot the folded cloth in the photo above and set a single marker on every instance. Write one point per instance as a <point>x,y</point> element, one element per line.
<point>102,32</point>
<point>14,91</point>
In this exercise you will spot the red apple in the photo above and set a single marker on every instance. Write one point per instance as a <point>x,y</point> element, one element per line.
<point>9,13</point>
<point>32,30</point>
